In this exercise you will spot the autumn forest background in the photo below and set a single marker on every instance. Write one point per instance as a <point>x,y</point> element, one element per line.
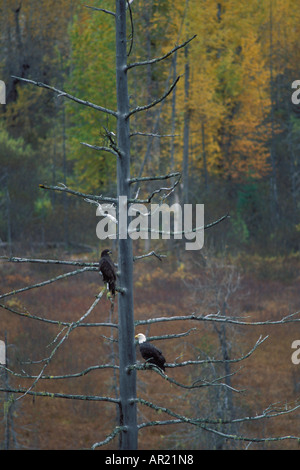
<point>231,129</point>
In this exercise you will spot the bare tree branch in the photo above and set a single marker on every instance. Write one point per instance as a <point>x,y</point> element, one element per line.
<point>86,371</point>
<point>152,253</point>
<point>111,436</point>
<point>15,259</point>
<point>57,322</point>
<point>93,266</point>
<point>217,361</point>
<point>154,178</point>
<point>154,61</point>
<point>249,439</point>
<point>97,147</point>
<point>101,9</point>
<point>221,319</point>
<point>182,232</point>
<point>169,191</point>
<point>72,326</point>
<point>201,422</point>
<point>65,189</point>
<point>23,391</point>
<point>263,415</point>
<point>67,95</point>
<point>44,283</point>
<point>171,336</point>
<point>150,134</point>
<point>216,222</point>
<point>206,383</point>
<point>157,191</point>
<point>155,102</point>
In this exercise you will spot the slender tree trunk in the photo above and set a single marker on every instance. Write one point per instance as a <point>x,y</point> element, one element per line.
<point>8,217</point>
<point>173,117</point>
<point>273,177</point>
<point>149,115</point>
<point>6,414</point>
<point>65,199</point>
<point>128,417</point>
<point>225,408</point>
<point>186,131</point>
<point>293,172</point>
<point>8,407</point>
<point>205,173</point>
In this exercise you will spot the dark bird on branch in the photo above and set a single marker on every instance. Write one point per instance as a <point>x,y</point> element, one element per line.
<point>150,353</point>
<point>108,271</point>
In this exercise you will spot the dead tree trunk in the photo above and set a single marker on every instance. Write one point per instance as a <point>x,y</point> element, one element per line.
<point>128,418</point>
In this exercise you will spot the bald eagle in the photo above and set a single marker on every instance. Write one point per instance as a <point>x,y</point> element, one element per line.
<point>150,353</point>
<point>108,271</point>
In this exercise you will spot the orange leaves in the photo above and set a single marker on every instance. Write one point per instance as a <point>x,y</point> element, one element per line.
<point>229,87</point>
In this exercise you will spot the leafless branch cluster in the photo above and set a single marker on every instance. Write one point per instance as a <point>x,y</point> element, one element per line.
<point>66,329</point>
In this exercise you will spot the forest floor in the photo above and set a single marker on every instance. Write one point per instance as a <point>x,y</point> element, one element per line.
<point>256,292</point>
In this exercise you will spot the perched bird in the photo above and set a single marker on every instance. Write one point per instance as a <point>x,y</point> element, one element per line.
<point>150,353</point>
<point>108,271</point>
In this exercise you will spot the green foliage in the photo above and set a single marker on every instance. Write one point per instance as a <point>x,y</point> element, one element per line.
<point>42,205</point>
<point>239,229</point>
<point>92,78</point>
<point>12,150</point>
<point>19,169</point>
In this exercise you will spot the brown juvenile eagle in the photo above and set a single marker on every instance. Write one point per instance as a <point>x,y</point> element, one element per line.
<point>150,353</point>
<point>108,271</point>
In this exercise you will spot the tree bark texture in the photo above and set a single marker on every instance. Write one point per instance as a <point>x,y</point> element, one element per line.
<point>127,358</point>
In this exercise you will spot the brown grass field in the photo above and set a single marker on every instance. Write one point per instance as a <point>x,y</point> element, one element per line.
<point>165,288</point>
